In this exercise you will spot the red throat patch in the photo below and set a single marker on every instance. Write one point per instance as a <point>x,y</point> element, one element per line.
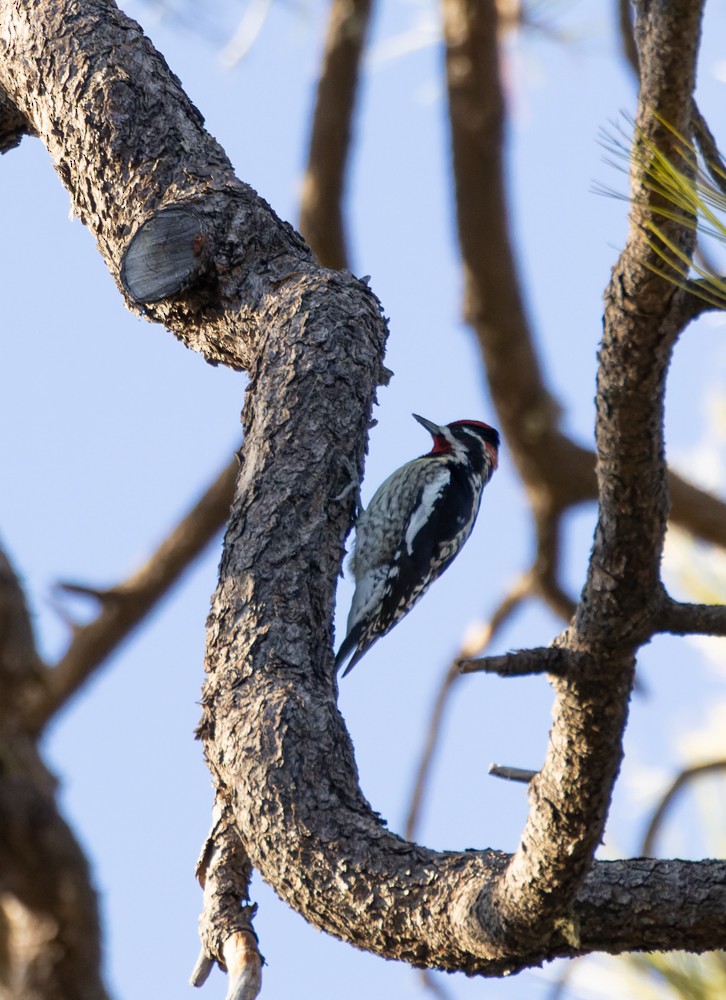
<point>441,445</point>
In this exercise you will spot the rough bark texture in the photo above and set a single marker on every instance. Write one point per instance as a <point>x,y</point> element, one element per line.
<point>128,144</point>
<point>12,124</point>
<point>273,735</point>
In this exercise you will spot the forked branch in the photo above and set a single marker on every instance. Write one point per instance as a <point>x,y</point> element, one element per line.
<point>313,341</point>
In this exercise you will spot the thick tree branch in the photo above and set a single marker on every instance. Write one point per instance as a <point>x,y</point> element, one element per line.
<point>623,577</point>
<point>494,305</point>
<point>570,796</point>
<point>49,922</point>
<point>312,337</point>
<point>22,672</point>
<point>313,340</point>
<point>321,216</point>
<point>557,473</point>
<point>152,155</point>
<point>293,756</point>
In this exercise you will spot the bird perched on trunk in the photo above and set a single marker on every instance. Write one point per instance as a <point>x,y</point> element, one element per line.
<point>413,527</point>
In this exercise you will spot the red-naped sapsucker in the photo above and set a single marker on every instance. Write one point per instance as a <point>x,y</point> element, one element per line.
<point>413,527</point>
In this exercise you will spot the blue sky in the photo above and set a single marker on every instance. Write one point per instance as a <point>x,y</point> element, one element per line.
<point>113,429</point>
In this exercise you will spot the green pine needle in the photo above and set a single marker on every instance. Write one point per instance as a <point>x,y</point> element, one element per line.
<point>689,198</point>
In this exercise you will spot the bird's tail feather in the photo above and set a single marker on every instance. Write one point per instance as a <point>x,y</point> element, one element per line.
<point>349,645</point>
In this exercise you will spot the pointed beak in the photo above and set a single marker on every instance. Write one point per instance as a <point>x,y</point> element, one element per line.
<point>430,426</point>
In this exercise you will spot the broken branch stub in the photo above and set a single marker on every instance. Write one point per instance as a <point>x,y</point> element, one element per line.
<point>165,256</point>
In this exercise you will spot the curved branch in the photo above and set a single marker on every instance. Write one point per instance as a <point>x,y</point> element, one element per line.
<point>151,155</point>
<point>273,736</point>
<point>569,798</point>
<point>682,780</point>
<point>557,472</point>
<point>321,217</point>
<point>494,305</point>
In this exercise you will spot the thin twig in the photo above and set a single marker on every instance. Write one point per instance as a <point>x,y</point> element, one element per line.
<point>522,774</point>
<point>560,984</point>
<point>246,33</point>
<point>431,982</point>
<point>679,783</point>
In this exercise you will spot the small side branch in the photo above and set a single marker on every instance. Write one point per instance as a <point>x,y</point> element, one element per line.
<point>522,662</point>
<point>165,256</point>
<point>225,925</point>
<point>691,619</point>
<point>701,297</point>
<point>522,774</point>
<point>124,606</point>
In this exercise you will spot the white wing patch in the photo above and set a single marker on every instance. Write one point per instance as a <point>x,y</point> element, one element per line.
<point>367,596</point>
<point>430,495</point>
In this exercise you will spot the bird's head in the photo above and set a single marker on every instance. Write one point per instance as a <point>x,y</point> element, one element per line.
<point>463,439</point>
